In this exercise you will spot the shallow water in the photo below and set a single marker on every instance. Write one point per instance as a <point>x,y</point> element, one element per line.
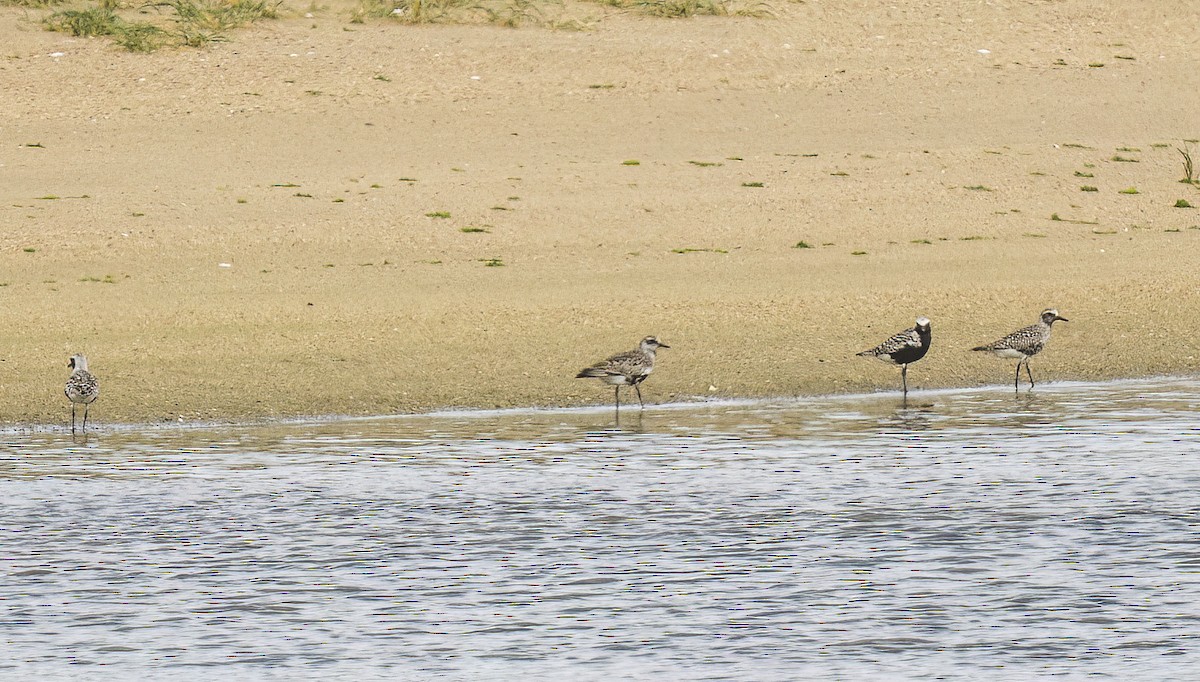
<point>968,535</point>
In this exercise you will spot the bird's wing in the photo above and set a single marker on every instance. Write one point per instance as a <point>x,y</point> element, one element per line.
<point>898,341</point>
<point>630,363</point>
<point>1019,339</point>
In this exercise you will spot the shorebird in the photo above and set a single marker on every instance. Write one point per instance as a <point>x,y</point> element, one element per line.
<point>903,348</point>
<point>626,369</point>
<point>1024,343</point>
<point>82,388</point>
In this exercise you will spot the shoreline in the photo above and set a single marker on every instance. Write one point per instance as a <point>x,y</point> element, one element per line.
<point>698,402</point>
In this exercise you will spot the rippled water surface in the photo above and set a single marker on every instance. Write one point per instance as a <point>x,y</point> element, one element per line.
<point>969,535</point>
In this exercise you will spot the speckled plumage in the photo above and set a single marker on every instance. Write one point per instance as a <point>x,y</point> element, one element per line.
<point>626,369</point>
<point>903,348</point>
<point>1024,343</point>
<point>82,388</point>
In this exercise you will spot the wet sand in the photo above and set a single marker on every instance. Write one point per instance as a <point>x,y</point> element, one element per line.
<point>253,230</point>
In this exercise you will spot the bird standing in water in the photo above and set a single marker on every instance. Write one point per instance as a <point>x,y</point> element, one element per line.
<point>626,369</point>
<point>904,348</point>
<point>82,388</point>
<point>1024,343</point>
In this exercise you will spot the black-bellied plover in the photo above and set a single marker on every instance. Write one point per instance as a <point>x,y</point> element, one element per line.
<point>82,388</point>
<point>904,348</point>
<point>626,369</point>
<point>1025,343</point>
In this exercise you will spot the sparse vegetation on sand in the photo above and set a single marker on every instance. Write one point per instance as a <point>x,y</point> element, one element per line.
<point>197,23</point>
<point>546,13</point>
<point>175,23</point>
<point>1189,170</point>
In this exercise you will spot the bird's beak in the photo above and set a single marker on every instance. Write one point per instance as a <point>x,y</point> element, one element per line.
<point>1061,319</point>
<point>662,345</point>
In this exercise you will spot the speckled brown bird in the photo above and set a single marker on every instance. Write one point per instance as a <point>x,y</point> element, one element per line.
<point>1024,343</point>
<point>82,388</point>
<point>626,369</point>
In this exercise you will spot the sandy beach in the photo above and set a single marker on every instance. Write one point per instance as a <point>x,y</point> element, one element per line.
<point>319,217</point>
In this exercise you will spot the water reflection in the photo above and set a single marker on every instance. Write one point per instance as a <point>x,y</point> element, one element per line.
<point>956,535</point>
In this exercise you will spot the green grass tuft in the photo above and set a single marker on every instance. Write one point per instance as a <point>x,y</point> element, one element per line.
<point>190,23</point>
<point>689,250</point>
<point>1182,203</point>
<point>101,20</point>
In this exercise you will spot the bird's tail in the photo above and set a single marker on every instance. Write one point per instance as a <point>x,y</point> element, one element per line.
<point>591,373</point>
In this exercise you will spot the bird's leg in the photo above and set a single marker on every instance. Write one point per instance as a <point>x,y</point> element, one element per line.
<point>1028,373</point>
<point>1017,381</point>
<point>85,413</point>
<point>72,419</point>
<point>617,397</point>
<point>639,395</point>
<point>904,377</point>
